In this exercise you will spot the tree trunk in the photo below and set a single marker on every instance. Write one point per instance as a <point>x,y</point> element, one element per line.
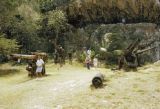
<point>55,40</point>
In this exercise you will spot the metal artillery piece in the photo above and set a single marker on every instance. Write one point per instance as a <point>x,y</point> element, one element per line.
<point>130,57</point>
<point>42,54</point>
<point>31,67</point>
<point>22,56</point>
<point>98,80</point>
<point>33,56</point>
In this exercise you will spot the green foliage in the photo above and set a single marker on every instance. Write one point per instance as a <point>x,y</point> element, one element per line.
<point>111,58</point>
<point>118,52</point>
<point>49,5</point>
<point>116,42</point>
<point>43,24</point>
<point>93,54</point>
<point>56,19</point>
<point>7,45</point>
<point>57,24</point>
<point>23,25</point>
<point>81,56</point>
<point>7,10</point>
<point>117,37</point>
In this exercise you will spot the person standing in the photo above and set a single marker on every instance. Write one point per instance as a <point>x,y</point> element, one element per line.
<point>95,62</point>
<point>39,64</point>
<point>88,61</point>
<point>55,56</point>
<point>31,68</point>
<point>70,57</point>
<point>89,52</point>
<point>61,55</point>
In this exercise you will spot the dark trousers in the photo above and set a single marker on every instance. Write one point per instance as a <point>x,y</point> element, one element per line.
<point>88,66</point>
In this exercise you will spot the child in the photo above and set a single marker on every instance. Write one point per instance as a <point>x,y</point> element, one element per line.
<point>31,68</point>
<point>95,62</point>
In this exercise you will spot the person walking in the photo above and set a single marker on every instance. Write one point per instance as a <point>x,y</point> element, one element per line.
<point>88,62</point>
<point>61,55</point>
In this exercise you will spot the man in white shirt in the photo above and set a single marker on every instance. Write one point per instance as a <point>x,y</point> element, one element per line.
<point>89,52</point>
<point>39,65</point>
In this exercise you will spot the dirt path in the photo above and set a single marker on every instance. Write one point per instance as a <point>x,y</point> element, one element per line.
<point>19,92</point>
<point>69,88</point>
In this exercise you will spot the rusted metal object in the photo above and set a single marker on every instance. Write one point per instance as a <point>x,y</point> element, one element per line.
<point>130,57</point>
<point>33,56</point>
<point>23,56</point>
<point>31,67</point>
<point>42,54</point>
<point>98,80</point>
<point>144,50</point>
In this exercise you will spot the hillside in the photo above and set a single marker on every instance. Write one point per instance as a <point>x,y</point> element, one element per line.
<point>81,13</point>
<point>65,22</point>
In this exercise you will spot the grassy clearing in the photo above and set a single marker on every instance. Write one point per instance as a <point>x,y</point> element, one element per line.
<point>69,88</point>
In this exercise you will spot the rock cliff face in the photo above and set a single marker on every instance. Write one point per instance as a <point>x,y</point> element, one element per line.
<point>112,24</point>
<point>83,12</point>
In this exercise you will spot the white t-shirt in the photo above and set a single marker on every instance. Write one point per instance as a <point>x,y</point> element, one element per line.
<point>95,62</point>
<point>89,52</point>
<point>39,62</point>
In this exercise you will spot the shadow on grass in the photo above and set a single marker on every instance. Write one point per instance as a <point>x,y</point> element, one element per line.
<point>5,72</point>
<point>27,79</point>
<point>92,87</point>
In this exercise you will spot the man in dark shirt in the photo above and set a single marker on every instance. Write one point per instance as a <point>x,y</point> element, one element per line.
<point>61,55</point>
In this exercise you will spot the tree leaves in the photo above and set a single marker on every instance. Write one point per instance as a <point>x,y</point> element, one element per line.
<point>56,18</point>
<point>7,45</point>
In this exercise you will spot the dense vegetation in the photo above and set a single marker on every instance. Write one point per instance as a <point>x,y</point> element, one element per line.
<point>32,25</point>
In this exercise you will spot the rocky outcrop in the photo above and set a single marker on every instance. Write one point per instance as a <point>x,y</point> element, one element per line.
<point>83,12</point>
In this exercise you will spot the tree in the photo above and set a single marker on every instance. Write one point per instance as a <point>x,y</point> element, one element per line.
<point>7,46</point>
<point>56,22</point>
<point>23,25</point>
<point>49,5</point>
<point>7,10</point>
